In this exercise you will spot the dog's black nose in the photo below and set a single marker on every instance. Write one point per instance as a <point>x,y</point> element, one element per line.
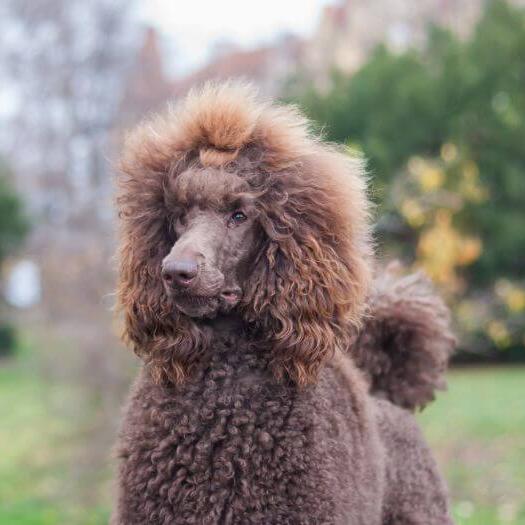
<point>180,272</point>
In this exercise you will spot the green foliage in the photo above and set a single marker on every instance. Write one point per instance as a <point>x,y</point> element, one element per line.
<point>467,93</point>
<point>13,223</point>
<point>13,228</point>
<point>371,108</point>
<point>7,340</point>
<point>444,131</point>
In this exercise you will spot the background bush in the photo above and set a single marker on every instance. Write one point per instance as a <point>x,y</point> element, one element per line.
<point>443,129</point>
<point>13,229</point>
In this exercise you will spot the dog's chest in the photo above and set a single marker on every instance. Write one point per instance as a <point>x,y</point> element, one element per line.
<point>236,453</point>
<point>231,447</point>
<point>234,446</point>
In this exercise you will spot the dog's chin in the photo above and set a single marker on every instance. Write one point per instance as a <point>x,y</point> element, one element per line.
<point>198,306</point>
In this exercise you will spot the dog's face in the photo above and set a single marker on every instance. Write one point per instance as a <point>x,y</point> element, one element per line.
<point>230,204</point>
<point>215,228</point>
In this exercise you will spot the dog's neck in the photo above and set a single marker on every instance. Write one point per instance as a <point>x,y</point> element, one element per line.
<point>226,324</point>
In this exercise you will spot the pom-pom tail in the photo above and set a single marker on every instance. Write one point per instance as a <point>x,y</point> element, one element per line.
<point>406,341</point>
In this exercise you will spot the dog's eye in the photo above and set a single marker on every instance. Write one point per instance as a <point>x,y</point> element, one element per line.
<point>237,217</point>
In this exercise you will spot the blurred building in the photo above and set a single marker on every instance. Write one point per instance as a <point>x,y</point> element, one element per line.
<point>267,67</point>
<point>148,86</point>
<point>349,30</point>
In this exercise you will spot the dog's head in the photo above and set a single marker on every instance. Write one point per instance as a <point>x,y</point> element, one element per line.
<point>228,204</point>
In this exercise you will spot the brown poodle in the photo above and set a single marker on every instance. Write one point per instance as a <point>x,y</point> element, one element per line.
<point>272,363</point>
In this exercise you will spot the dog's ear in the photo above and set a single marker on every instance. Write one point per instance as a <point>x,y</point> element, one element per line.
<point>308,289</point>
<point>167,341</point>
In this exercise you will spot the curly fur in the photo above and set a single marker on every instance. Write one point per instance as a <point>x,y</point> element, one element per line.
<point>313,273</point>
<point>270,420</point>
<point>405,342</point>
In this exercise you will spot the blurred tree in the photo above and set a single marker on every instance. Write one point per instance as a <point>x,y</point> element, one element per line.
<point>13,223</point>
<point>64,64</point>
<point>444,131</point>
<point>470,94</point>
<point>13,228</point>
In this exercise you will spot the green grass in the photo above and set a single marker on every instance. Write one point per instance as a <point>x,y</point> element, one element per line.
<point>476,430</point>
<point>36,447</point>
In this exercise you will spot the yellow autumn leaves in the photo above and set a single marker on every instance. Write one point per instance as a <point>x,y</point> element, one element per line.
<point>511,294</point>
<point>441,249</point>
<point>432,193</point>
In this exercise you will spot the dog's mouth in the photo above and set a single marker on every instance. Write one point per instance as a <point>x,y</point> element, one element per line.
<point>231,296</point>
<point>194,305</point>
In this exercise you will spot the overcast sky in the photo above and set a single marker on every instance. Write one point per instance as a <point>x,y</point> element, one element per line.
<point>194,25</point>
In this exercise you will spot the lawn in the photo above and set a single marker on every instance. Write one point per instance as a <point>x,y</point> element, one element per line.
<point>39,446</point>
<point>477,430</point>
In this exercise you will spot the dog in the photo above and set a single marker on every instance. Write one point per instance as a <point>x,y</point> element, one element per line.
<point>279,373</point>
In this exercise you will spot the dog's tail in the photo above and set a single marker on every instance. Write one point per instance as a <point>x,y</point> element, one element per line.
<point>406,341</point>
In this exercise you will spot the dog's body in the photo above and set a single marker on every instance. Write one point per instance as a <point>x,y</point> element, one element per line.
<point>232,446</point>
<point>259,401</point>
